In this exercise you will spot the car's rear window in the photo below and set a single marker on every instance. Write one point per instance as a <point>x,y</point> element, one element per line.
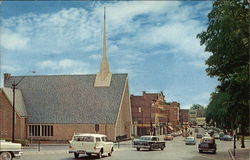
<point>207,140</point>
<point>84,138</point>
<point>145,138</point>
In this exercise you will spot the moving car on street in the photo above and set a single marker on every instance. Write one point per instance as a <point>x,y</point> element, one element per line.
<point>207,144</point>
<point>148,142</point>
<point>90,144</point>
<point>226,138</point>
<point>190,140</point>
<point>168,137</point>
<point>198,135</point>
<point>9,150</point>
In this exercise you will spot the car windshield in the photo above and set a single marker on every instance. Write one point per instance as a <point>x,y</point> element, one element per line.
<point>145,138</point>
<point>84,138</point>
<point>189,139</point>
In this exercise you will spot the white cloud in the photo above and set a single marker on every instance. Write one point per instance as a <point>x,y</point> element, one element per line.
<point>65,66</point>
<point>12,40</point>
<point>95,56</point>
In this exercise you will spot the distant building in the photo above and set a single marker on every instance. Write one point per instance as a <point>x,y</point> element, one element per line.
<point>148,114</point>
<point>54,107</point>
<point>152,115</point>
<point>192,116</point>
<point>173,120</point>
<point>184,116</point>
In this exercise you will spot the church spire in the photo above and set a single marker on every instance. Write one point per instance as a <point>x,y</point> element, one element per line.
<point>103,77</point>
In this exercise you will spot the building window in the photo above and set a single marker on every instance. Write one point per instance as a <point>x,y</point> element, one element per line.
<point>40,130</point>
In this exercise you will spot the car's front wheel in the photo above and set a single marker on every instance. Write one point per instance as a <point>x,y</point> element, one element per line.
<point>6,156</point>
<point>110,153</point>
<point>99,155</point>
<point>138,149</point>
<point>76,155</point>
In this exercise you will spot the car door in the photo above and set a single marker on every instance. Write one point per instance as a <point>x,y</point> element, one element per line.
<point>107,145</point>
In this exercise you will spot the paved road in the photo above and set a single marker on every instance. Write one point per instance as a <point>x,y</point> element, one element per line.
<point>175,150</point>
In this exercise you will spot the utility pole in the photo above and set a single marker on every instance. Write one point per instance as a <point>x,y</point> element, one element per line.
<point>14,85</point>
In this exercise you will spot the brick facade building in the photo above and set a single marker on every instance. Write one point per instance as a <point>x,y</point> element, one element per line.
<point>151,115</point>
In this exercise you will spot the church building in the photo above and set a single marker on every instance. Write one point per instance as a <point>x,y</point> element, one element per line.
<point>54,107</point>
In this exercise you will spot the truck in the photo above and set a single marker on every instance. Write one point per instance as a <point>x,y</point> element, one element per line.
<point>9,150</point>
<point>88,143</point>
<point>201,121</point>
<point>148,142</point>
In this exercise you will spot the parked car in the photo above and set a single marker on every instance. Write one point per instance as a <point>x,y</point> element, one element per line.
<point>90,144</point>
<point>198,135</point>
<point>148,142</point>
<point>173,134</point>
<point>226,138</point>
<point>216,136</point>
<point>207,144</point>
<point>168,137</point>
<point>190,140</point>
<point>9,150</point>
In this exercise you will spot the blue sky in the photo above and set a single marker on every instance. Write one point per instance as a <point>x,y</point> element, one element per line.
<point>153,41</point>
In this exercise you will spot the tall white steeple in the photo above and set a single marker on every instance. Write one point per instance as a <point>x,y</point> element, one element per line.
<point>103,77</point>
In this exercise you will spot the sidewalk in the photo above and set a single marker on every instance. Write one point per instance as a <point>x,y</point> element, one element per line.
<point>240,154</point>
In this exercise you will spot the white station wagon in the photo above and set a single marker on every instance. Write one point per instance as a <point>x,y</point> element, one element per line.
<point>90,144</point>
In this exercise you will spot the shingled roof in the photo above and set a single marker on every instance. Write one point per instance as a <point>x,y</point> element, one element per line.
<point>70,98</point>
<point>19,102</point>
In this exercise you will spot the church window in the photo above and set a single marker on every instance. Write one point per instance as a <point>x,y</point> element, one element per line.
<point>40,130</point>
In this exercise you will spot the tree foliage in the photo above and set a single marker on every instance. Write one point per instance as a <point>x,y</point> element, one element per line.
<point>227,39</point>
<point>197,106</point>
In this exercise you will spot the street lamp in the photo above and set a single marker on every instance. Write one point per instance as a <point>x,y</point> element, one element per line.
<point>151,124</point>
<point>140,111</point>
<point>14,85</point>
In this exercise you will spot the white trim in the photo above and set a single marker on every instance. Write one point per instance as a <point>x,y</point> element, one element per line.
<point>118,115</point>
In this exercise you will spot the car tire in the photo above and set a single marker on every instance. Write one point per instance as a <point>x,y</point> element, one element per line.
<point>110,153</point>
<point>214,152</point>
<point>99,155</point>
<point>200,151</point>
<point>162,148</point>
<point>138,149</point>
<point>76,155</point>
<point>6,156</point>
<point>88,154</point>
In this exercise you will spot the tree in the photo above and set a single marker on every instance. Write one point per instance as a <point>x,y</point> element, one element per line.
<point>197,106</point>
<point>227,39</point>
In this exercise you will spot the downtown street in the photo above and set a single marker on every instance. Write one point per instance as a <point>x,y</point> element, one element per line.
<point>175,150</point>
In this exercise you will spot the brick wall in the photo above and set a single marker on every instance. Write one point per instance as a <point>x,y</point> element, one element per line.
<point>6,112</point>
<point>66,131</point>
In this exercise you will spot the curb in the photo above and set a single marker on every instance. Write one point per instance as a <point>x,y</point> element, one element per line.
<point>231,154</point>
<point>44,152</point>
